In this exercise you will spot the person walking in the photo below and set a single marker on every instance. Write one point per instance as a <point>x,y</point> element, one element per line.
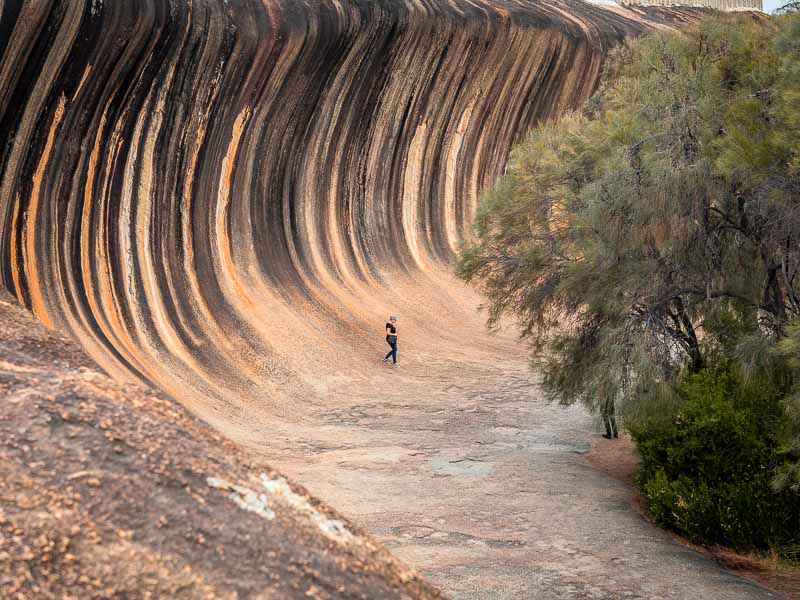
<point>391,339</point>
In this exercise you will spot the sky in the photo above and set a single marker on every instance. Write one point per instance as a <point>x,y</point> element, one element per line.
<point>770,5</point>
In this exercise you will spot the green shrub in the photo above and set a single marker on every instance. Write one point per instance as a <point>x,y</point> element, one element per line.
<point>707,472</point>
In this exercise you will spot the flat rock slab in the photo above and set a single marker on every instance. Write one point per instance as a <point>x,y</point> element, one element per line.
<point>112,491</point>
<point>466,472</point>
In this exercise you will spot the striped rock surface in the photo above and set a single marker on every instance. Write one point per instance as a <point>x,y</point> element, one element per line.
<point>212,195</point>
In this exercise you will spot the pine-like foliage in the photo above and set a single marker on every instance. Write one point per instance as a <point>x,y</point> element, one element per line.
<point>657,230</point>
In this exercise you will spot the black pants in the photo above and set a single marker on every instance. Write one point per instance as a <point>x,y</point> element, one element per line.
<point>392,352</point>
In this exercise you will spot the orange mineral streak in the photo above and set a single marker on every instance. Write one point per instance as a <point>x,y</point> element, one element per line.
<point>30,255</point>
<point>87,251</point>
<point>236,291</point>
<point>104,300</point>
<point>197,298</point>
<point>86,73</point>
<point>162,338</point>
<point>134,240</point>
<point>450,195</point>
<point>16,267</point>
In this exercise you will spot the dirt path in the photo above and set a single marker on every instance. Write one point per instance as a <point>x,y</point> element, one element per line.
<point>460,466</point>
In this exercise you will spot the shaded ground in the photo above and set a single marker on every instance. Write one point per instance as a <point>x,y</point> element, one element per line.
<point>464,471</point>
<point>115,492</point>
<point>620,460</point>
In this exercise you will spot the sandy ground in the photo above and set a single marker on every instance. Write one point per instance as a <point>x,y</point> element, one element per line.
<point>459,465</point>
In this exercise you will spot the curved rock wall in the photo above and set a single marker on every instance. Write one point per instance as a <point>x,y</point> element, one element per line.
<point>204,192</point>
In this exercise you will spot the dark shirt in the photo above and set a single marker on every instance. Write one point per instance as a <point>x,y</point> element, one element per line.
<point>389,337</point>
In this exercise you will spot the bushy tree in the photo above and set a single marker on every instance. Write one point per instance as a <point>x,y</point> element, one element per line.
<point>643,238</point>
<point>788,476</point>
<point>708,473</point>
<point>788,8</point>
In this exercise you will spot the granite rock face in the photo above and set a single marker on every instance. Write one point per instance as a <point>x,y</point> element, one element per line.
<point>114,491</point>
<point>199,190</point>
